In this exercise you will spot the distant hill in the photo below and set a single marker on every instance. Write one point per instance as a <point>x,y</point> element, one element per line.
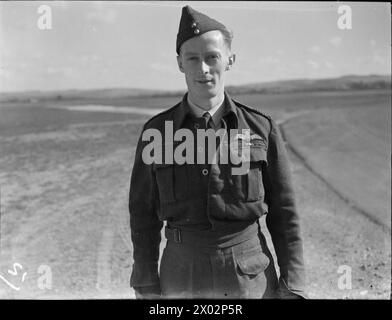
<point>75,94</point>
<point>348,82</point>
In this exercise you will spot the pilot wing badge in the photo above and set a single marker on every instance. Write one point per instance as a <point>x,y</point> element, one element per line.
<point>257,141</point>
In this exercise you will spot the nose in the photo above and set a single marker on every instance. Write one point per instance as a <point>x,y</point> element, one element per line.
<point>204,67</point>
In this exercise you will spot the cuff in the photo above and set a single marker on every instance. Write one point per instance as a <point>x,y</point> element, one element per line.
<point>144,275</point>
<point>148,292</point>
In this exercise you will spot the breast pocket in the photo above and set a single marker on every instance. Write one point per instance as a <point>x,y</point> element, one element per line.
<point>254,182</point>
<point>249,186</point>
<point>172,182</point>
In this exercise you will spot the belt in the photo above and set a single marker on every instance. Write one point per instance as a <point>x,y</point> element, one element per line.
<point>211,238</point>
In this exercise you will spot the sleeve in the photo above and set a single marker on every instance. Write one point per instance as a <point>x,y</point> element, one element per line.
<point>282,219</point>
<point>144,222</point>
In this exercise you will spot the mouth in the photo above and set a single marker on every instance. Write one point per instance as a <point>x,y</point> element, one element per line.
<point>205,81</point>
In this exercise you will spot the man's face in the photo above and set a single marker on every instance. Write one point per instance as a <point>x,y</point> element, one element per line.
<point>204,61</point>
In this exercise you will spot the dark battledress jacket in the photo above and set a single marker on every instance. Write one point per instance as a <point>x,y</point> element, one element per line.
<point>209,196</point>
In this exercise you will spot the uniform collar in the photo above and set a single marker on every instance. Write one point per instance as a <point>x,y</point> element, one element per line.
<point>216,112</point>
<point>229,112</point>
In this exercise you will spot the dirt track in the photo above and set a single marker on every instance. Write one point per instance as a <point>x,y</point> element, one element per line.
<point>336,234</point>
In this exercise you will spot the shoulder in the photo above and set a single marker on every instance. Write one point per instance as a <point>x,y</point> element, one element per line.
<point>252,110</point>
<point>161,117</point>
<point>255,115</point>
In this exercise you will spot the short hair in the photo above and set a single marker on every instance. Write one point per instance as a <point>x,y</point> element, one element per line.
<point>227,37</point>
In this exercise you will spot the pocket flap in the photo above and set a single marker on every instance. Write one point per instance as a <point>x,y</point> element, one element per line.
<point>162,165</point>
<point>253,264</point>
<point>252,154</point>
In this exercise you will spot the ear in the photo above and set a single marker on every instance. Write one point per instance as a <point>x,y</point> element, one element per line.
<point>231,62</point>
<point>179,62</point>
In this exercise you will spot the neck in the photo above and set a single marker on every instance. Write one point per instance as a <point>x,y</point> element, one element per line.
<point>207,103</point>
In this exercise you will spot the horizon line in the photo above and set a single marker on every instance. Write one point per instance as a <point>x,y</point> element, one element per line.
<point>176,90</point>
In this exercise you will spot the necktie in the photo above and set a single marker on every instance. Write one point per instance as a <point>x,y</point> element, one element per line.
<point>207,120</point>
<point>209,147</point>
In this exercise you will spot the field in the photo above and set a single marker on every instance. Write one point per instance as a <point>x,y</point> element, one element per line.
<point>64,182</point>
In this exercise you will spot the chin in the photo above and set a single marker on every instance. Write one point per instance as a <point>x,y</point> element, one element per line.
<point>207,92</point>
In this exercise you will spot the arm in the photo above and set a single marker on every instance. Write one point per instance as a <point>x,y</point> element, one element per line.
<point>145,226</point>
<point>282,219</point>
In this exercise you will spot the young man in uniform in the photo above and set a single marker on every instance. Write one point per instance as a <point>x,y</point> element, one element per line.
<point>215,246</point>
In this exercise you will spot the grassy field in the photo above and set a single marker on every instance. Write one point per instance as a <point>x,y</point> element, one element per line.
<point>64,179</point>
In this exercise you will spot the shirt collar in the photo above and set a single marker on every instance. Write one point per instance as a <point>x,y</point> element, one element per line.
<point>216,112</point>
<point>228,112</point>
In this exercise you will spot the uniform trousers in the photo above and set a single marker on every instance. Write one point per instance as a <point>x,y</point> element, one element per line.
<point>206,264</point>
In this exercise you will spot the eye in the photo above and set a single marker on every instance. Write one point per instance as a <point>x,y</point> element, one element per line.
<point>213,57</point>
<point>192,59</point>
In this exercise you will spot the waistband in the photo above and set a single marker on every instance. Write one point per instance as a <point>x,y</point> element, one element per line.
<point>211,238</point>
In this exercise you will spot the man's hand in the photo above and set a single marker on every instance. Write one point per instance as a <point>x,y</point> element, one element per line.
<point>148,292</point>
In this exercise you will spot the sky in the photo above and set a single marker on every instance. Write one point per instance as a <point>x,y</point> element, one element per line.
<point>132,44</point>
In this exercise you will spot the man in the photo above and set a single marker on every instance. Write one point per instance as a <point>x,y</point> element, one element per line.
<point>215,247</point>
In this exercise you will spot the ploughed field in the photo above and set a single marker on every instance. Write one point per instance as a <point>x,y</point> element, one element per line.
<point>64,182</point>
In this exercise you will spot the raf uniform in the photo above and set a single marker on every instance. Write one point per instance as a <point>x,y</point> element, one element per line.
<point>215,247</point>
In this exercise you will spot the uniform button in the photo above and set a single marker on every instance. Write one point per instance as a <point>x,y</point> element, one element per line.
<point>204,172</point>
<point>196,31</point>
<point>196,126</point>
<point>194,25</point>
